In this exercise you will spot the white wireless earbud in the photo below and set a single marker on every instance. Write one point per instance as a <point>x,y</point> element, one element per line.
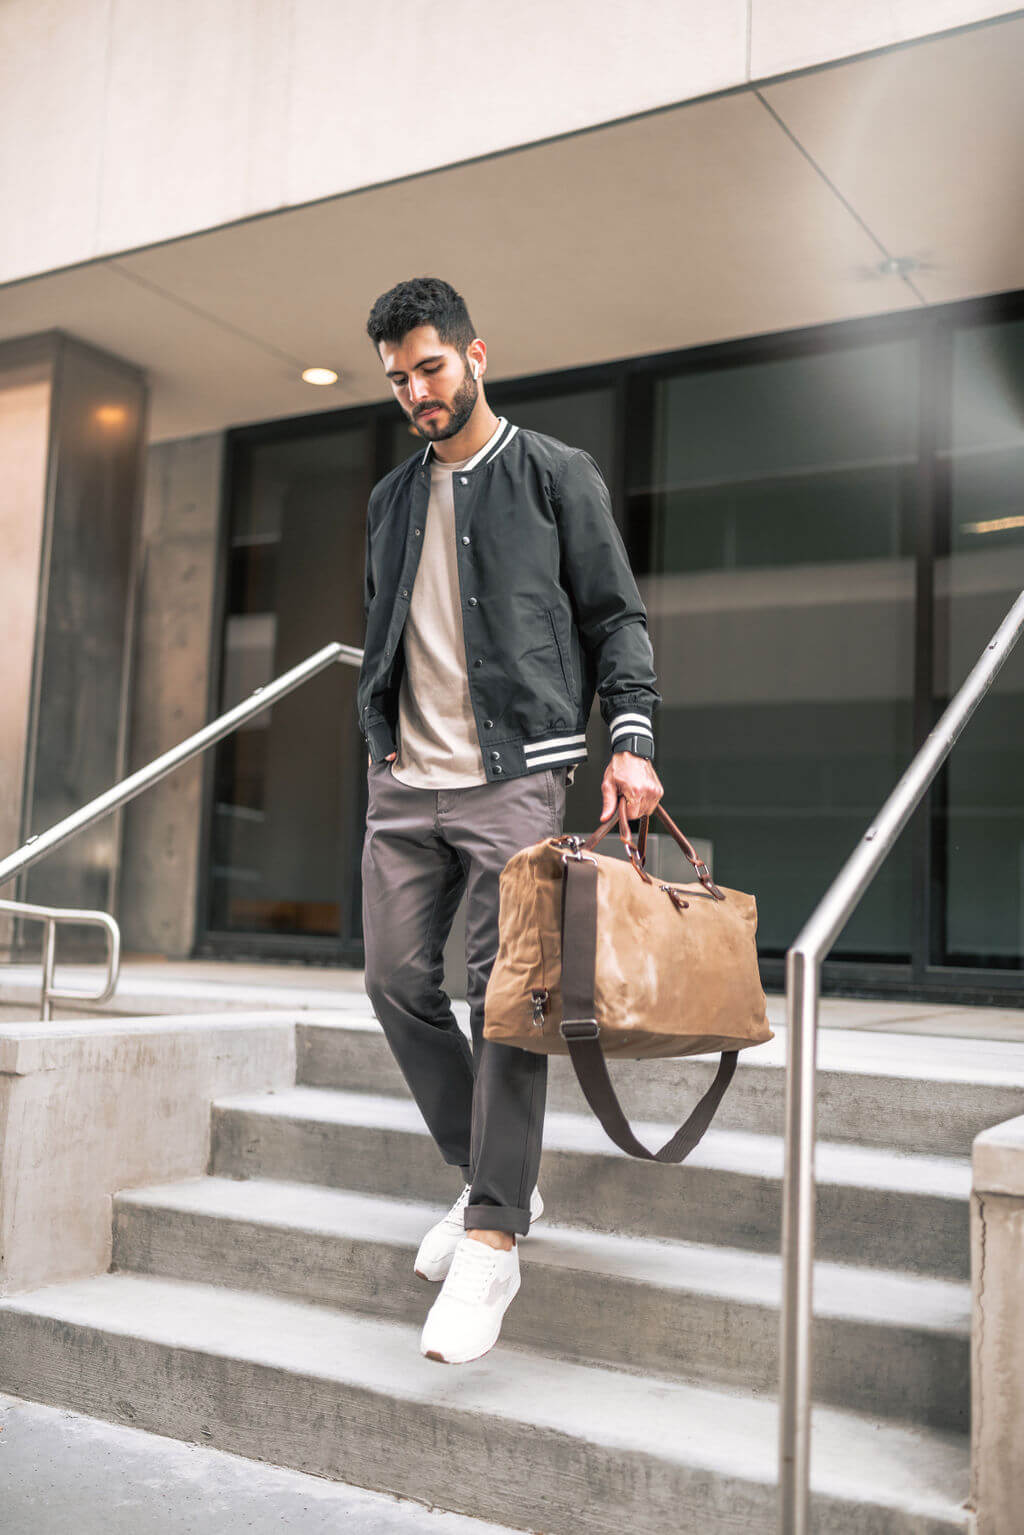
<point>476,370</point>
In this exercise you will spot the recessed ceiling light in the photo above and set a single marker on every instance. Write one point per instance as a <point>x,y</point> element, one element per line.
<point>320,376</point>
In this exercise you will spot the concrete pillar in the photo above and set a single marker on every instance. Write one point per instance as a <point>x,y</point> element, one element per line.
<point>72,424</point>
<point>171,694</point>
<point>997,1355</point>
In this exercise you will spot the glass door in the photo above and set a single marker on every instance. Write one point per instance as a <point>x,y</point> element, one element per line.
<point>289,792</point>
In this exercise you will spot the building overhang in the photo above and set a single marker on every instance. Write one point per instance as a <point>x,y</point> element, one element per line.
<point>879,184</point>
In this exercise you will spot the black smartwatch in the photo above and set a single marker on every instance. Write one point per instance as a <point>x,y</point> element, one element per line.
<point>640,746</point>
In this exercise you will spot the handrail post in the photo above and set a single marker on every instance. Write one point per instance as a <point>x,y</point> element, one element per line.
<point>49,964</point>
<point>803,971</point>
<point>51,917</point>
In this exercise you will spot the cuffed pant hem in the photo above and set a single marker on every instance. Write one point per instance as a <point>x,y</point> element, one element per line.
<point>498,1218</point>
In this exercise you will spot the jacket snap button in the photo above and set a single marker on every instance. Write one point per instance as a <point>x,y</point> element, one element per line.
<point>497,770</point>
<point>416,532</point>
<point>488,724</point>
<point>405,591</point>
<point>465,540</point>
<point>464,480</point>
<point>495,756</point>
<point>472,603</point>
<point>478,663</point>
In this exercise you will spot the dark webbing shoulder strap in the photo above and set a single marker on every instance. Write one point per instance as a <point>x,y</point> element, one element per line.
<point>580,1028</point>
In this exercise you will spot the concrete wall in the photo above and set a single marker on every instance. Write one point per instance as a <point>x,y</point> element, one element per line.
<point>997,1368</point>
<point>127,124</point>
<point>174,649</point>
<point>88,1108</point>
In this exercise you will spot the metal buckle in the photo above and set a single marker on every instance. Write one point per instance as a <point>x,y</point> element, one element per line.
<point>579,858</point>
<point>579,1028</point>
<point>704,875</point>
<point>575,845</point>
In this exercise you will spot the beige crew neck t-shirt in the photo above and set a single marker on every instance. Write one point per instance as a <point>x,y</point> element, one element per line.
<point>438,746</point>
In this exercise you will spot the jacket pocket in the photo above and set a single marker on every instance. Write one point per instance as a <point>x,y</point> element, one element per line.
<point>563,660</point>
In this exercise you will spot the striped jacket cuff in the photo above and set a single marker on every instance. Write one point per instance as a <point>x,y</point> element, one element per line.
<point>623,725</point>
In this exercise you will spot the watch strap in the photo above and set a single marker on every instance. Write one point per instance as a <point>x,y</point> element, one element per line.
<point>639,745</point>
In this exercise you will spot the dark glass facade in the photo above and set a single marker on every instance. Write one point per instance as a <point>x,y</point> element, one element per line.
<point>826,527</point>
<point>286,816</point>
<point>979,806</point>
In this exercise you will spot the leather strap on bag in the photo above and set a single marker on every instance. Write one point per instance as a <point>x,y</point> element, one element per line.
<point>580,1028</point>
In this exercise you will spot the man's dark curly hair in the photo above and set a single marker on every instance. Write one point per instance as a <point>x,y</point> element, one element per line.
<point>421,301</point>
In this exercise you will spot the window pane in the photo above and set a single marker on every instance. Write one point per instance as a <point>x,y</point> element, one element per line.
<point>290,785</point>
<point>583,420</point>
<point>981,821</point>
<point>774,522</point>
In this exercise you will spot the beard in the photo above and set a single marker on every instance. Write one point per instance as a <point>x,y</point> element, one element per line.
<point>462,405</point>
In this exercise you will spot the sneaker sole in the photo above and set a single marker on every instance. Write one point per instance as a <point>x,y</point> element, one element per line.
<point>470,1359</point>
<point>439,1358</point>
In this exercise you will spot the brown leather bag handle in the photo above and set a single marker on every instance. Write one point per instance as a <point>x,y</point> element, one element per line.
<point>637,851</point>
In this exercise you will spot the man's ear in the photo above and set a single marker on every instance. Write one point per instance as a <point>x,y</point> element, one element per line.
<point>476,354</point>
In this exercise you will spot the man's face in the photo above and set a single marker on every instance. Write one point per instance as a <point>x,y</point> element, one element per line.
<point>431,381</point>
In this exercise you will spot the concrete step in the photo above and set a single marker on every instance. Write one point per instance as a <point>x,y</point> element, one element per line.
<point>928,1095</point>
<point>892,1344</point>
<point>536,1443</point>
<point>876,1208</point>
<point>57,1481</point>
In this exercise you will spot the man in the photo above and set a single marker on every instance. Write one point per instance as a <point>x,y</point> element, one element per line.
<point>498,597</point>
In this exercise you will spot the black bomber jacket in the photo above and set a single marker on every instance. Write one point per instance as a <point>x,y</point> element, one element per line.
<point>550,609</point>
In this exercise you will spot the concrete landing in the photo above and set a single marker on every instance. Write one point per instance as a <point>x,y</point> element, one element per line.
<point>63,1473</point>
<point>150,984</point>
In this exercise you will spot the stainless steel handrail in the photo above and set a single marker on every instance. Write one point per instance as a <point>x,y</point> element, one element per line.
<point>104,804</point>
<point>803,980</point>
<point>51,916</point>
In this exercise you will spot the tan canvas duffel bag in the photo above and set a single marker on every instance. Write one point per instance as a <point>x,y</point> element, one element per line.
<point>596,958</point>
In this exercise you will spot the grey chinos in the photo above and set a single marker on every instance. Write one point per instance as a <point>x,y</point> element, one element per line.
<point>423,847</point>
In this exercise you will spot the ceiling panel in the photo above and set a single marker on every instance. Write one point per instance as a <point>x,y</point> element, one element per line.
<point>793,34</point>
<point>928,144</point>
<point>701,223</point>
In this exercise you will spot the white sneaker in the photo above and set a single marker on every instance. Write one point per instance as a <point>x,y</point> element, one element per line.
<point>434,1258</point>
<point>465,1320</point>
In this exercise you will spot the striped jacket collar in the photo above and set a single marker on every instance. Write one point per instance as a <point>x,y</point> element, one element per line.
<point>497,443</point>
